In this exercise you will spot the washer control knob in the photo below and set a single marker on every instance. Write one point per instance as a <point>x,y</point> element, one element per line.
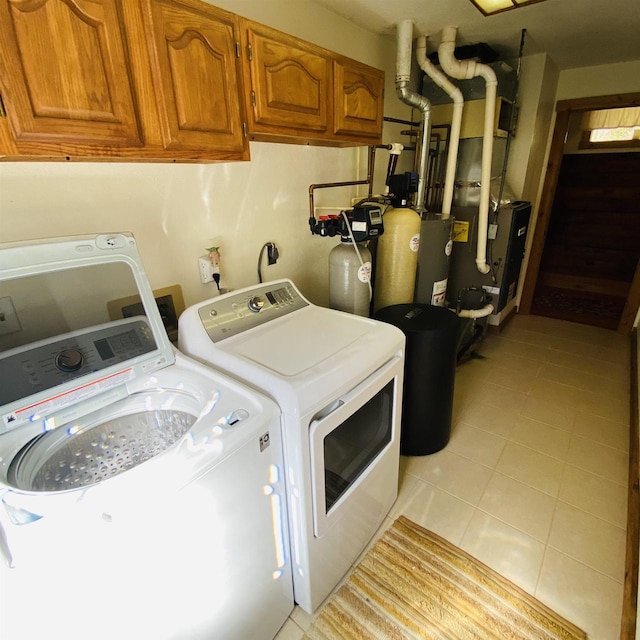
<point>255,304</point>
<point>69,360</point>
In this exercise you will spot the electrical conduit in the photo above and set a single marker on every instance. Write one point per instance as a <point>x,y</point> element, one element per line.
<point>454,137</point>
<point>464,70</point>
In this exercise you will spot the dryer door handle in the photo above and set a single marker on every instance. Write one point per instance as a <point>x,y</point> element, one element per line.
<point>327,411</point>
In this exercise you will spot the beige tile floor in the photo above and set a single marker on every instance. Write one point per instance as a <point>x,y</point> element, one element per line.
<point>533,481</point>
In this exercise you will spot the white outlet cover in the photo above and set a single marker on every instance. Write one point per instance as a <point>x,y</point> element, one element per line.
<point>206,270</point>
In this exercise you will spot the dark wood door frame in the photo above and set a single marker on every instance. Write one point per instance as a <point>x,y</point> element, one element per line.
<point>564,109</point>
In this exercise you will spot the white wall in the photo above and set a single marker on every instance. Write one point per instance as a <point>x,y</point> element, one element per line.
<point>602,80</point>
<point>176,210</point>
<point>536,95</point>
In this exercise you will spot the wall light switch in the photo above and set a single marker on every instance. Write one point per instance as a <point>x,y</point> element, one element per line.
<point>9,321</point>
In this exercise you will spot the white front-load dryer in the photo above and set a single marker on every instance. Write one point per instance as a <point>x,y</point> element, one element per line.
<point>141,494</point>
<point>337,379</point>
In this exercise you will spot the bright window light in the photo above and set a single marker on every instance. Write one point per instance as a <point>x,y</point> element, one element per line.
<point>619,134</point>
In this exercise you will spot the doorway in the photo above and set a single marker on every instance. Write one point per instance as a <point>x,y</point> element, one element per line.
<point>580,267</point>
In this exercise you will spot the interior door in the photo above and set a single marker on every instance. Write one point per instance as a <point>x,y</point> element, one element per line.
<point>593,240</point>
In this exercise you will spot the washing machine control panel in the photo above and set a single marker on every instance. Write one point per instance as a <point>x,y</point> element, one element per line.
<point>49,363</point>
<point>232,314</point>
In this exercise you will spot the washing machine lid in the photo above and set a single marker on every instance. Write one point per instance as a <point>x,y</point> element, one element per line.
<point>63,348</point>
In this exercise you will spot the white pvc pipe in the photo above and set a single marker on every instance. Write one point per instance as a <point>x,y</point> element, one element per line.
<point>487,310</point>
<point>463,70</point>
<point>454,137</point>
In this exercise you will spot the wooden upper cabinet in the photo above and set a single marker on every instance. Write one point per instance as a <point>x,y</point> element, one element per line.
<point>288,83</point>
<point>359,96</point>
<point>299,92</point>
<point>196,75</point>
<point>169,80</point>
<point>65,74</point>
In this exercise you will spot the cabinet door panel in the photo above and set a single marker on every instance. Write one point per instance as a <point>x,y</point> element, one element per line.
<point>290,84</point>
<point>65,73</point>
<point>197,75</point>
<point>359,100</point>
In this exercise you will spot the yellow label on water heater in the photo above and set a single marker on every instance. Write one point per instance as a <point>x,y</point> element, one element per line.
<point>460,231</point>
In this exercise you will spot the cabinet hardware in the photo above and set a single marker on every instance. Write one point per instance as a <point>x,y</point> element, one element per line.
<point>3,112</point>
<point>249,52</point>
<point>253,98</point>
<point>237,49</point>
<point>244,129</point>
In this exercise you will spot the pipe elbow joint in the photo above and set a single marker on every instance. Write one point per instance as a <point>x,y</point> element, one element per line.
<point>475,314</point>
<point>458,98</point>
<point>483,267</point>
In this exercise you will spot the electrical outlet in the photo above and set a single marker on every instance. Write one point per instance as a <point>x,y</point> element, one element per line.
<point>206,270</point>
<point>9,321</point>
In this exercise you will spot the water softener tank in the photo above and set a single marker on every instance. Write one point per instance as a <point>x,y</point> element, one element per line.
<point>433,260</point>
<point>349,288</point>
<point>397,257</point>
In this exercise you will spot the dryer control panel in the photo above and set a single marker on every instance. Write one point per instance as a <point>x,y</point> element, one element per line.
<point>235,312</point>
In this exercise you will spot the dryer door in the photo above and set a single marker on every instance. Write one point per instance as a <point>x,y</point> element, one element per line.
<point>348,438</point>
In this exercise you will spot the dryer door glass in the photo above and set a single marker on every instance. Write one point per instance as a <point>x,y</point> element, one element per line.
<point>355,443</point>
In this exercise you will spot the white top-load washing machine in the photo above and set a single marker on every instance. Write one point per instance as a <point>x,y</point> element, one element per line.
<point>141,493</point>
<point>338,380</point>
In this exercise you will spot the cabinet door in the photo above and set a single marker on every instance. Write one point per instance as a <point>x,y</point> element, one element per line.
<point>290,90</point>
<point>196,76</point>
<point>64,73</point>
<point>359,98</point>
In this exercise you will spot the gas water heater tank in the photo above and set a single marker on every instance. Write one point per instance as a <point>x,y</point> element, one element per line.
<point>397,258</point>
<point>436,245</point>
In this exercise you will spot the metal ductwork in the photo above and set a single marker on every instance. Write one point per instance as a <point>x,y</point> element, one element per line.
<point>458,103</point>
<point>414,100</point>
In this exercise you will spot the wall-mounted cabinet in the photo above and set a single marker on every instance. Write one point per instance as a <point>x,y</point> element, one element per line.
<point>120,79</point>
<point>299,92</point>
<point>169,80</point>
<point>196,77</point>
<point>66,78</point>
<point>288,83</point>
<point>359,100</point>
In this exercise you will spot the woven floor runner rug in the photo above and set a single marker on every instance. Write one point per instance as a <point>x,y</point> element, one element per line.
<point>414,584</point>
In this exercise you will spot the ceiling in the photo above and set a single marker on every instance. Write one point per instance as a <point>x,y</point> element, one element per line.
<point>574,33</point>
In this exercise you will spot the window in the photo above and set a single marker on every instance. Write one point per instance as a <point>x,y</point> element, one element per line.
<point>611,128</point>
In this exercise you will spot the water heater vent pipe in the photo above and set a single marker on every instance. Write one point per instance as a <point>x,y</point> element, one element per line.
<point>464,70</point>
<point>415,100</point>
<point>454,137</point>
